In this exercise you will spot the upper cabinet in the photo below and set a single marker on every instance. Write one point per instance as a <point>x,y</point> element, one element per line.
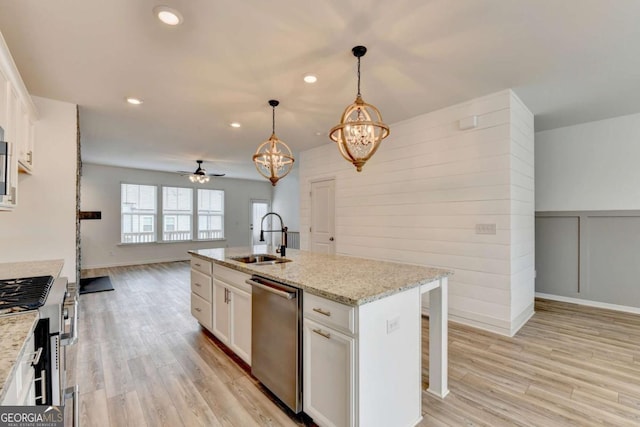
<point>17,118</point>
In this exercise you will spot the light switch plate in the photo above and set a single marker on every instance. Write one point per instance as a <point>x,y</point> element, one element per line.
<point>393,324</point>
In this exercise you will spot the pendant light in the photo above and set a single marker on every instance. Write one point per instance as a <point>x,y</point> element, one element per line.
<point>273,158</point>
<point>361,129</point>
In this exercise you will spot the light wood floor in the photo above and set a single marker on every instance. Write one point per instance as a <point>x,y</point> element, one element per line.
<point>142,360</point>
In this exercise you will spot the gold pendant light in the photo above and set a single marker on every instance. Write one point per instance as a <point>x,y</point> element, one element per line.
<point>361,128</point>
<point>273,158</point>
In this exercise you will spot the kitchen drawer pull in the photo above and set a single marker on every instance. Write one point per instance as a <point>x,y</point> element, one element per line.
<point>323,312</point>
<point>327,335</point>
<point>198,309</point>
<point>197,265</point>
<point>198,285</point>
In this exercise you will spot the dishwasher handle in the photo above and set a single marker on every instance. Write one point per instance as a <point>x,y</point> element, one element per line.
<point>272,289</point>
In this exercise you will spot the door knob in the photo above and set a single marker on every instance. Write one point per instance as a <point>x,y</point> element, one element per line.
<point>331,239</point>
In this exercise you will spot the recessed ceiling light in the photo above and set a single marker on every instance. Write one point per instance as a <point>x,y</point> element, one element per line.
<point>319,133</point>
<point>134,101</point>
<point>167,15</point>
<point>310,78</point>
<point>235,125</point>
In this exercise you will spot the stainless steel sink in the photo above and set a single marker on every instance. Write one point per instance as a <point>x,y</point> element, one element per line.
<point>260,259</point>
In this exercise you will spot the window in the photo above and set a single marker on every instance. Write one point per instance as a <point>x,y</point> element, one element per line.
<point>138,213</point>
<point>210,214</point>
<point>177,213</point>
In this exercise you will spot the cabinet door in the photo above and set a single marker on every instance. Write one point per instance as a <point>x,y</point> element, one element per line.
<point>329,375</point>
<point>4,84</point>
<point>220,311</point>
<point>240,312</point>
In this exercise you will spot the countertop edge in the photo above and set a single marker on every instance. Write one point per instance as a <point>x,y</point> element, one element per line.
<point>314,291</point>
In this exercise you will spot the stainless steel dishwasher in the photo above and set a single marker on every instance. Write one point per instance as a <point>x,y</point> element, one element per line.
<point>276,332</point>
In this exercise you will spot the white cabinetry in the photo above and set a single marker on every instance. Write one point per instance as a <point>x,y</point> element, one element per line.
<point>17,117</point>
<point>362,365</point>
<point>232,310</point>
<point>221,302</point>
<point>20,391</point>
<point>329,374</point>
<point>329,369</point>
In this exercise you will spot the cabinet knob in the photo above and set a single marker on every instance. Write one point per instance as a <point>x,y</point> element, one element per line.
<point>331,239</point>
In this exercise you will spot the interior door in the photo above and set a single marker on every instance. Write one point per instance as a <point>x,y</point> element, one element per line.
<point>259,208</point>
<point>323,217</point>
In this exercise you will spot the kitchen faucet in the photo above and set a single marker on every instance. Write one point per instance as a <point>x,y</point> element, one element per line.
<point>283,230</point>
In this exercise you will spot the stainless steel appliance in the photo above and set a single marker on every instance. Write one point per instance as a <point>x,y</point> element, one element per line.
<point>276,332</point>
<point>56,329</point>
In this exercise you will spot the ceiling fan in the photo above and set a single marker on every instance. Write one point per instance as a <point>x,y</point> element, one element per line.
<point>200,175</point>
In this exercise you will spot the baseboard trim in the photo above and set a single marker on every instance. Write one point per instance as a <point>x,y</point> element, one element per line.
<point>469,319</point>
<point>590,303</point>
<point>497,326</point>
<point>522,319</point>
<point>127,263</point>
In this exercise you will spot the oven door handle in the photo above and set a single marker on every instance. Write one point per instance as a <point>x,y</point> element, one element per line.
<point>72,392</point>
<point>72,337</point>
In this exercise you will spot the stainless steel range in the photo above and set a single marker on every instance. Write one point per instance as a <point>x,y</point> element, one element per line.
<point>56,329</point>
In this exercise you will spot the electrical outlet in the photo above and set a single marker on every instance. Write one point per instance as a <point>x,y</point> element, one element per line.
<point>485,229</point>
<point>393,324</point>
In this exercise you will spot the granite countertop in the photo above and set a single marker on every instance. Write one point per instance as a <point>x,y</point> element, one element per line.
<point>345,279</point>
<point>16,328</point>
<point>12,270</point>
<point>14,331</point>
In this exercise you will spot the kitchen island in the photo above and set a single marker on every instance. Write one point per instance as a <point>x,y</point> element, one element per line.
<point>363,366</point>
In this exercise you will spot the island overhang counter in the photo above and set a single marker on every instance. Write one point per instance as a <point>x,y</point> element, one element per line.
<point>386,297</point>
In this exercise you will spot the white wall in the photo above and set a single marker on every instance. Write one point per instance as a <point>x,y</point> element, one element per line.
<point>43,226</point>
<point>286,200</point>
<point>419,198</point>
<point>591,166</point>
<point>100,190</point>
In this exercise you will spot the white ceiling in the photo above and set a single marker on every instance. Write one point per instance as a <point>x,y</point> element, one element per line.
<point>570,61</point>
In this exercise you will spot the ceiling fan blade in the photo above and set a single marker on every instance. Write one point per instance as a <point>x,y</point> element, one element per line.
<point>216,174</point>
<point>184,173</point>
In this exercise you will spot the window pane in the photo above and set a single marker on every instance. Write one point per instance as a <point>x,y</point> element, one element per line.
<point>210,214</point>
<point>177,211</point>
<point>138,213</point>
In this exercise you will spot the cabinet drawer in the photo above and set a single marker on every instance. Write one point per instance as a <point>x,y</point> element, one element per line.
<point>201,284</point>
<point>232,277</point>
<point>201,310</point>
<point>330,313</point>
<point>201,265</point>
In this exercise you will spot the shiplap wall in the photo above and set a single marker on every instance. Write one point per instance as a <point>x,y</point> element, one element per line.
<point>419,198</point>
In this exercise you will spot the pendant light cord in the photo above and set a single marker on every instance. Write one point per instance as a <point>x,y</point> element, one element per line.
<point>273,120</point>
<point>358,76</point>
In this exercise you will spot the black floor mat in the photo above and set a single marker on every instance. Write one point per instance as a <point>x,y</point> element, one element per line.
<point>95,284</point>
